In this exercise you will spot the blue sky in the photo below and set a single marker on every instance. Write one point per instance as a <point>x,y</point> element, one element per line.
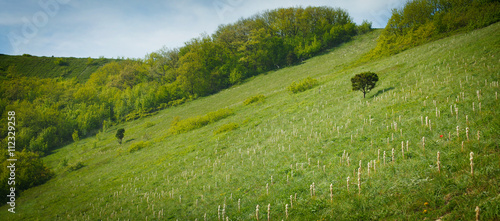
<point>112,28</point>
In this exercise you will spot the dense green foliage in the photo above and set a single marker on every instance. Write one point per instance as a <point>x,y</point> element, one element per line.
<point>120,133</point>
<point>226,127</point>
<point>138,146</point>
<point>29,171</point>
<point>364,82</point>
<point>421,21</point>
<point>303,85</point>
<point>181,126</point>
<point>254,99</point>
<point>75,136</point>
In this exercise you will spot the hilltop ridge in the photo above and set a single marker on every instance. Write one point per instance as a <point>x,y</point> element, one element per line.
<point>49,67</point>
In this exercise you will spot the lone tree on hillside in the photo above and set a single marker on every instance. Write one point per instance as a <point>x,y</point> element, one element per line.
<point>120,133</point>
<point>364,82</point>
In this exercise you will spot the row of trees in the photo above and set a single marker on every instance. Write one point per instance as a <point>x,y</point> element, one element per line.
<point>50,110</point>
<point>421,21</point>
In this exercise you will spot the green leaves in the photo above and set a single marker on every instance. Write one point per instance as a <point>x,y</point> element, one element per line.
<point>421,21</point>
<point>120,133</point>
<point>254,99</point>
<point>364,82</point>
<point>138,146</point>
<point>303,85</point>
<point>181,126</point>
<point>227,127</point>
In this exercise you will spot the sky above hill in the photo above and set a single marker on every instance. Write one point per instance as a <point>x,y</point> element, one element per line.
<point>131,29</point>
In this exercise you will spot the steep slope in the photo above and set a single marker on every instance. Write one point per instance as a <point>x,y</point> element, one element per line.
<point>288,151</point>
<point>49,67</point>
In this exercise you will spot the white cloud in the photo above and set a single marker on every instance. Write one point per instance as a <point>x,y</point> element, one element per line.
<point>133,29</point>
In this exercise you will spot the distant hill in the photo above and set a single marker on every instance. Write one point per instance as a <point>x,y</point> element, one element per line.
<point>49,67</point>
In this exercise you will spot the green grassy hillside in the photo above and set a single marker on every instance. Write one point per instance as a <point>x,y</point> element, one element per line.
<point>285,144</point>
<point>49,67</point>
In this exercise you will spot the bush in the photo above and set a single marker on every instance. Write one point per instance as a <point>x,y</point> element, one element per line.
<point>303,85</point>
<point>149,124</point>
<point>63,163</point>
<point>235,77</point>
<point>254,99</point>
<point>138,146</point>
<point>226,127</point>
<point>76,166</point>
<point>364,27</point>
<point>90,61</point>
<point>180,126</point>
<point>30,172</point>
<point>61,62</point>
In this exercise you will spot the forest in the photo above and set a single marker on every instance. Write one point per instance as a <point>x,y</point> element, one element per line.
<point>422,21</point>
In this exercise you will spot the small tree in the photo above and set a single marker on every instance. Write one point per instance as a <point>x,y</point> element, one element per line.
<point>120,133</point>
<point>364,82</point>
<point>75,136</point>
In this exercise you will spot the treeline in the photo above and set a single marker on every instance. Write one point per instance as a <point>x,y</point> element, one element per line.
<point>49,67</point>
<point>50,110</point>
<point>421,21</point>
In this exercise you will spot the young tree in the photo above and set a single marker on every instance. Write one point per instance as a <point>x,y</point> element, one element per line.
<point>75,136</point>
<point>364,82</point>
<point>120,133</point>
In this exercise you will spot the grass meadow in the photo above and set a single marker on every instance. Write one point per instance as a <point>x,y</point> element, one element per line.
<point>291,154</point>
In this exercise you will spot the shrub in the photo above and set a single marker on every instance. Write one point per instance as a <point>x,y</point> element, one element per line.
<point>149,124</point>
<point>303,85</point>
<point>138,146</point>
<point>30,170</point>
<point>63,163</point>
<point>420,21</point>
<point>364,27</point>
<point>60,62</point>
<point>227,127</point>
<point>75,136</point>
<point>180,126</point>
<point>90,61</point>
<point>254,99</point>
<point>76,166</point>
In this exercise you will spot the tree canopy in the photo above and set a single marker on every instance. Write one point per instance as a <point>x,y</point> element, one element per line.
<point>421,21</point>
<point>364,82</point>
<point>120,133</point>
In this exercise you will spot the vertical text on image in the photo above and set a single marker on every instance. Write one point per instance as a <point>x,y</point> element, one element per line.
<point>11,166</point>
